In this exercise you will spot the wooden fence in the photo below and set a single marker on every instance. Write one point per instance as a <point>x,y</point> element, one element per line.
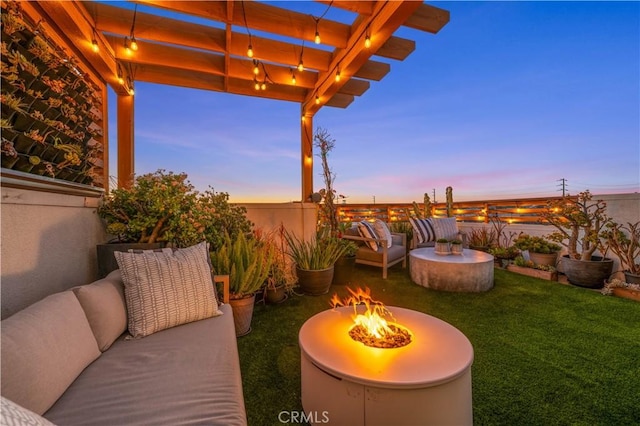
<point>524,210</point>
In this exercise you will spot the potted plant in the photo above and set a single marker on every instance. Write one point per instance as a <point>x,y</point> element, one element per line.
<point>247,261</point>
<point>315,260</point>
<point>442,246</point>
<point>624,241</point>
<point>541,251</point>
<point>579,222</point>
<point>529,268</point>
<point>162,208</point>
<point>281,278</point>
<point>456,247</point>
<point>482,239</point>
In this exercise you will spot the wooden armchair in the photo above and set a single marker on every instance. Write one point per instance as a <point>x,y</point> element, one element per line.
<point>385,256</point>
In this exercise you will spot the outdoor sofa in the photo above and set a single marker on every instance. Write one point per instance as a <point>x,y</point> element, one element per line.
<point>70,358</point>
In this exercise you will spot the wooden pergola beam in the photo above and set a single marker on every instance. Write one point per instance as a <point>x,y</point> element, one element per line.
<point>386,18</point>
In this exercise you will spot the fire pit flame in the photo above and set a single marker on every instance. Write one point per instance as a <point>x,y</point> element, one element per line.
<point>371,328</point>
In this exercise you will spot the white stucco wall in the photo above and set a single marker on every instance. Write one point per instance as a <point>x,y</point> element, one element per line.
<point>299,218</point>
<point>48,244</point>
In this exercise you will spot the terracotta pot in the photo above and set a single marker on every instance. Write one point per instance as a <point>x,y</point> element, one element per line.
<point>315,282</point>
<point>242,314</point>
<point>274,296</point>
<point>587,273</point>
<point>543,258</point>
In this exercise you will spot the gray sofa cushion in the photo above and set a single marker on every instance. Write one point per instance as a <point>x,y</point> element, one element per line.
<point>103,303</point>
<point>44,348</point>
<point>189,374</point>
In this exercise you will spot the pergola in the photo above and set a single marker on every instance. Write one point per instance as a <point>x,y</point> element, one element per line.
<point>225,55</point>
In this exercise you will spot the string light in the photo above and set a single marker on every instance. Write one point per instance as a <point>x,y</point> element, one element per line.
<point>250,51</point>
<point>338,76</point>
<point>256,85</point>
<point>256,68</point>
<point>127,49</point>
<point>367,41</point>
<point>293,77</point>
<point>317,38</point>
<point>134,44</point>
<point>317,100</point>
<point>94,42</point>
<point>300,65</point>
<point>263,86</point>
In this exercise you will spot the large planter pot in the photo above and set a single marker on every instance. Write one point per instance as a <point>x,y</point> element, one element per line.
<point>543,258</point>
<point>315,282</point>
<point>106,259</point>
<point>242,314</point>
<point>343,270</point>
<point>587,273</point>
<point>631,278</point>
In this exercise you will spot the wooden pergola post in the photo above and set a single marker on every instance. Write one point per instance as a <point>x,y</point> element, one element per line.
<point>306,143</point>
<point>125,141</point>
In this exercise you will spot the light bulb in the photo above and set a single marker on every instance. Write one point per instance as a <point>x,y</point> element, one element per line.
<point>250,51</point>
<point>131,92</point>
<point>367,41</point>
<point>293,79</point>
<point>300,66</point>
<point>256,85</point>
<point>317,38</point>
<point>263,86</point>
<point>94,45</point>
<point>317,100</point>
<point>256,69</point>
<point>303,117</point>
<point>120,79</point>
<point>338,75</point>
<point>127,49</point>
<point>134,44</point>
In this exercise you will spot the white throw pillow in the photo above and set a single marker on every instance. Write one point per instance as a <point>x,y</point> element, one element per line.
<point>167,288</point>
<point>14,414</point>
<point>382,231</point>
<point>365,229</point>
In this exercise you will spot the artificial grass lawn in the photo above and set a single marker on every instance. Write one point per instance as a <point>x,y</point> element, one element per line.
<point>544,353</point>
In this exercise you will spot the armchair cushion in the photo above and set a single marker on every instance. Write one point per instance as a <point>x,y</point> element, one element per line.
<point>365,229</point>
<point>382,231</point>
<point>394,252</point>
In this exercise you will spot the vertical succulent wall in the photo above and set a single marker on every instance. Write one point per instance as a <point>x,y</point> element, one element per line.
<point>51,121</point>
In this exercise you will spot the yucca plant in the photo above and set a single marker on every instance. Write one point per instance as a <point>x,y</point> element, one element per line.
<point>320,252</point>
<point>246,261</point>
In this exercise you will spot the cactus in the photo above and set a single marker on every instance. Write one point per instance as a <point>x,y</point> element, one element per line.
<point>449,201</point>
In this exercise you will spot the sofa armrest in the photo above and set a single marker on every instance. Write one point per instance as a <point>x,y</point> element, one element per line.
<point>224,280</point>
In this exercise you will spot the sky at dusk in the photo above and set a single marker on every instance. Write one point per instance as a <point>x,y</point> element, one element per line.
<point>508,98</point>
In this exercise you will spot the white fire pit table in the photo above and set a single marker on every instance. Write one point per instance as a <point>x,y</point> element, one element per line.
<point>471,271</point>
<point>344,382</point>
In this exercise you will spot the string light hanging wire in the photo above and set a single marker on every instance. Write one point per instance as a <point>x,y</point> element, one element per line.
<point>134,43</point>
<point>244,17</point>
<point>317,35</point>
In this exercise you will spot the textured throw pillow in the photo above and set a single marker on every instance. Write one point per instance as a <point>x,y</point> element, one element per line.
<point>423,228</point>
<point>166,289</point>
<point>446,227</point>
<point>365,229</point>
<point>382,231</point>
<point>12,414</point>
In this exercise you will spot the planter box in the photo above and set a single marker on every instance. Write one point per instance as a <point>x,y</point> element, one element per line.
<point>536,273</point>
<point>626,293</point>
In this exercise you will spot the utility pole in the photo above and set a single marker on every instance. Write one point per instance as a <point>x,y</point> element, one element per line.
<point>374,199</point>
<point>563,184</point>
<point>434,196</point>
